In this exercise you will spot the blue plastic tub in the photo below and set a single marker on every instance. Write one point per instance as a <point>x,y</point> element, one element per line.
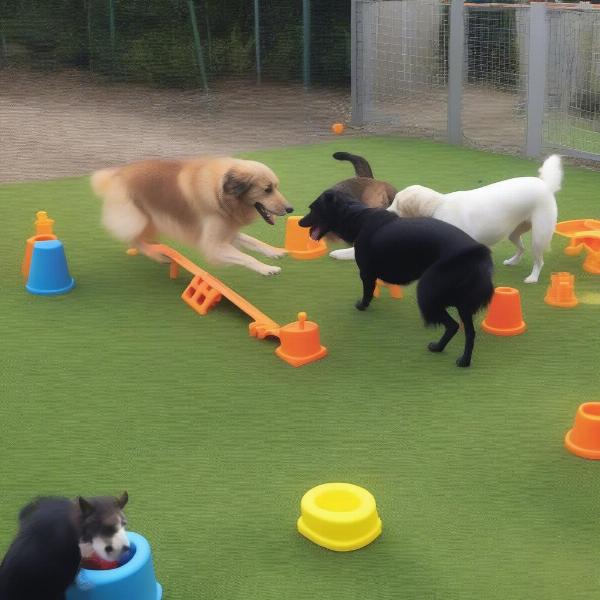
<point>135,580</point>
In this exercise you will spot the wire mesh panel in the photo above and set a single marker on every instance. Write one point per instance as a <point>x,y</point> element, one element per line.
<point>407,65</point>
<point>495,76</point>
<point>572,119</point>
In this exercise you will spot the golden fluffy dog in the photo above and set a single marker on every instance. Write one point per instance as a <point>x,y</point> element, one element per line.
<point>203,202</point>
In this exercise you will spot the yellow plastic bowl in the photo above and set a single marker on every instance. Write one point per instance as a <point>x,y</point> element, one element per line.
<point>339,516</point>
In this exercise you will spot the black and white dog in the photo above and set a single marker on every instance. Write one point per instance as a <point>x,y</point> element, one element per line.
<point>54,534</point>
<point>452,268</point>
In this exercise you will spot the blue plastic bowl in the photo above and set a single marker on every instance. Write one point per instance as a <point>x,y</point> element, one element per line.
<point>135,580</point>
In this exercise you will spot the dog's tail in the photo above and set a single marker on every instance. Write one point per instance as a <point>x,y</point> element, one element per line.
<point>551,173</point>
<point>361,167</point>
<point>463,280</point>
<point>101,180</point>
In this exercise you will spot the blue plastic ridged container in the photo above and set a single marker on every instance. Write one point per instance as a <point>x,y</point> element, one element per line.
<point>49,273</point>
<point>135,580</point>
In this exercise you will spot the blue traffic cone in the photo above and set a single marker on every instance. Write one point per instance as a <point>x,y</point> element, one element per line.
<point>49,273</point>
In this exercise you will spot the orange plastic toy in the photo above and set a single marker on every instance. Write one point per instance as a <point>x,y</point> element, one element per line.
<point>395,290</point>
<point>43,233</point>
<point>584,439</point>
<point>504,316</point>
<point>584,234</point>
<point>338,128</point>
<point>300,342</point>
<point>298,242</point>
<point>561,291</point>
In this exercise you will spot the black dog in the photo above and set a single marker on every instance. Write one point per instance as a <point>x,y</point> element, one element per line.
<point>44,558</point>
<point>452,268</point>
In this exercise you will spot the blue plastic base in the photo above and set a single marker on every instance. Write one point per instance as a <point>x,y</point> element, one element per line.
<point>64,290</point>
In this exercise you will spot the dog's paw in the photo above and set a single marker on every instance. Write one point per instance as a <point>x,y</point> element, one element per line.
<point>269,270</point>
<point>434,347</point>
<point>530,279</point>
<point>511,262</point>
<point>343,254</point>
<point>463,362</point>
<point>273,252</point>
<point>361,306</point>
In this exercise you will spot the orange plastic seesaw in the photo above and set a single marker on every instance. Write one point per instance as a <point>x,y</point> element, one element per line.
<point>300,342</point>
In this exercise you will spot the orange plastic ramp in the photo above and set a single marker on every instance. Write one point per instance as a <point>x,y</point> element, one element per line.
<point>205,290</point>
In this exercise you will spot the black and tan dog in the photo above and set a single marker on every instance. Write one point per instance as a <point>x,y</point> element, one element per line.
<point>372,192</point>
<point>54,534</point>
<point>452,268</point>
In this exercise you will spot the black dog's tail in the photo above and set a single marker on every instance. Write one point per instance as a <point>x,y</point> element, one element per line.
<point>463,280</point>
<point>361,167</point>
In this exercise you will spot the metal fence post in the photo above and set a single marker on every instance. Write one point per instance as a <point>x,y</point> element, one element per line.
<point>536,80</point>
<point>456,52</point>
<point>360,83</point>
<point>306,43</point>
<point>257,42</point>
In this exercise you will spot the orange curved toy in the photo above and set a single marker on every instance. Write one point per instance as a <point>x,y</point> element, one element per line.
<point>584,439</point>
<point>338,128</point>
<point>583,234</point>
<point>298,242</point>
<point>504,316</point>
<point>395,290</point>
<point>43,232</point>
<point>300,343</point>
<point>561,291</point>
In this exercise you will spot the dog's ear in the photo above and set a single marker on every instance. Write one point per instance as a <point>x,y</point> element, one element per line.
<point>236,183</point>
<point>87,508</point>
<point>122,500</point>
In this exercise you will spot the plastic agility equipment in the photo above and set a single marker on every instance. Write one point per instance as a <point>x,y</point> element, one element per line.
<point>395,290</point>
<point>504,316</point>
<point>133,580</point>
<point>49,273</point>
<point>338,128</point>
<point>339,516</point>
<point>561,291</point>
<point>43,233</point>
<point>300,342</point>
<point>584,439</point>
<point>298,242</point>
<point>584,234</point>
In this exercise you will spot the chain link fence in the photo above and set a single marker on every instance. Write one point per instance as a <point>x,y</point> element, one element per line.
<point>402,84</point>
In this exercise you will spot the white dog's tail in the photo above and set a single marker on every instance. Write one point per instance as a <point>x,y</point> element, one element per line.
<point>551,173</point>
<point>101,181</point>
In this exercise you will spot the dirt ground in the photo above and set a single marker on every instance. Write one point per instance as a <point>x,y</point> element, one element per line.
<point>70,123</point>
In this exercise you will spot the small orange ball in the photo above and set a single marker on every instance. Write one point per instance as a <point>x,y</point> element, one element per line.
<point>338,128</point>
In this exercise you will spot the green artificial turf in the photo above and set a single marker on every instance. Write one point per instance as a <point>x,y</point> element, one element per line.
<point>119,385</point>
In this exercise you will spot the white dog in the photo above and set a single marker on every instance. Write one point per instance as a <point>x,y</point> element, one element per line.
<point>489,214</point>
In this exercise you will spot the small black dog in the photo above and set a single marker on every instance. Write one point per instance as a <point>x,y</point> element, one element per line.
<point>452,268</point>
<point>44,558</point>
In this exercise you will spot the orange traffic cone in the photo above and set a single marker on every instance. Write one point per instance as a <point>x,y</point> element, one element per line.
<point>584,439</point>
<point>504,316</point>
<point>561,291</point>
<point>395,290</point>
<point>300,342</point>
<point>591,264</point>
<point>43,233</point>
<point>299,243</point>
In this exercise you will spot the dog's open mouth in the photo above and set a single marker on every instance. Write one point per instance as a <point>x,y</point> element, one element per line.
<point>316,233</point>
<point>264,213</point>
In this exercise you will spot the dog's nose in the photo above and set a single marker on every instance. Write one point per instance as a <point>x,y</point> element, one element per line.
<point>108,549</point>
<point>289,209</point>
